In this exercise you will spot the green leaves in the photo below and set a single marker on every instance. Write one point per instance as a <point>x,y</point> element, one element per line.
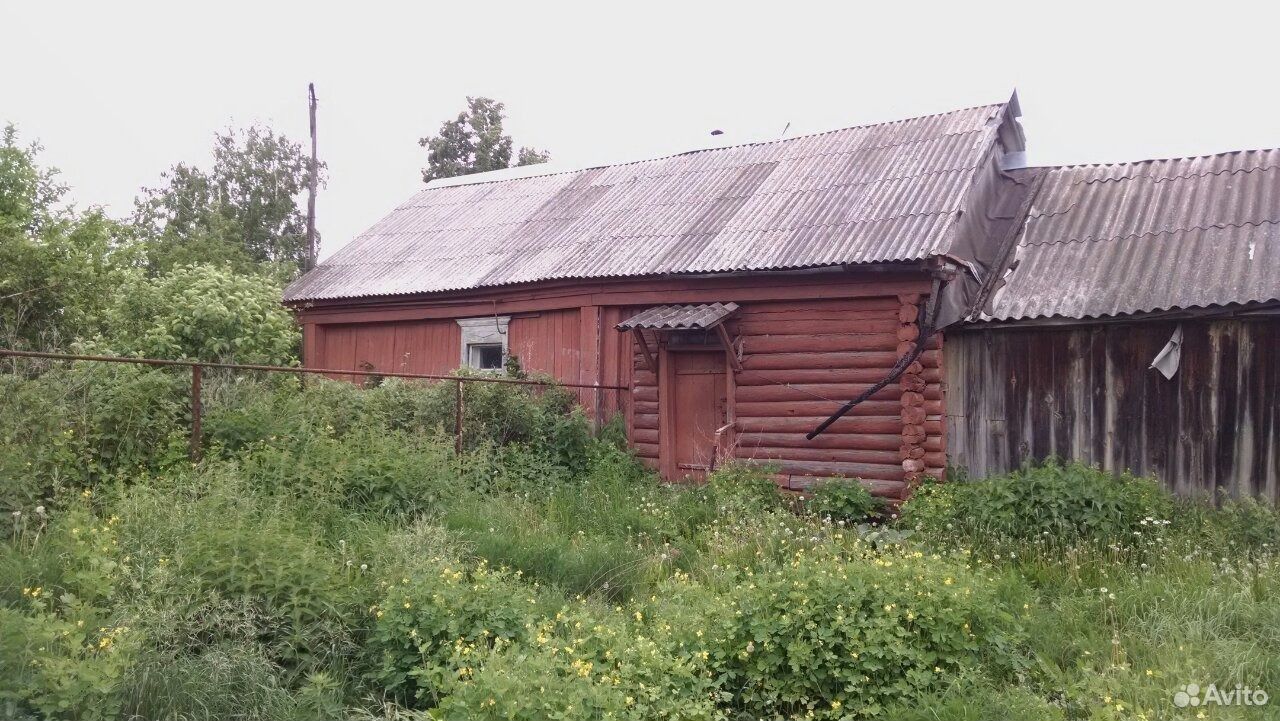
<point>202,312</point>
<point>845,634</point>
<point>243,212</point>
<point>474,143</point>
<point>1062,502</point>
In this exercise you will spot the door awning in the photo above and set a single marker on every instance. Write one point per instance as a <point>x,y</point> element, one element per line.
<point>701,316</point>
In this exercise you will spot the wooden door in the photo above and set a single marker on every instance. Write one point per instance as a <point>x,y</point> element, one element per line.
<point>698,400</point>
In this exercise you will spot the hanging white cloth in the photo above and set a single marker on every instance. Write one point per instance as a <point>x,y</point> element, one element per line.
<point>1166,361</point>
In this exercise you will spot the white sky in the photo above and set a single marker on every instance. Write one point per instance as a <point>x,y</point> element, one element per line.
<point>119,91</point>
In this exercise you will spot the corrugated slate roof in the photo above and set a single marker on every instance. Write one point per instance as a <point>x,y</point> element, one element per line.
<point>1104,240</point>
<point>887,192</point>
<point>672,317</point>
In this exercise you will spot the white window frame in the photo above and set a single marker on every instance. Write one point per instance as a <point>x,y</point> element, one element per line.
<point>490,330</point>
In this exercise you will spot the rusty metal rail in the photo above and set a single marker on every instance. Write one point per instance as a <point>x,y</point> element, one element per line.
<point>197,379</point>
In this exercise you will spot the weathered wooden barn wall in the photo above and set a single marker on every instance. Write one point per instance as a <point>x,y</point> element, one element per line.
<point>1085,392</point>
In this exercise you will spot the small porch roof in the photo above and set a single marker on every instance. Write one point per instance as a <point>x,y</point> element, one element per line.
<point>700,316</point>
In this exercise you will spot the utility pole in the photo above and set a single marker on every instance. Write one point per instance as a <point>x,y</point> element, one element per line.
<point>312,250</point>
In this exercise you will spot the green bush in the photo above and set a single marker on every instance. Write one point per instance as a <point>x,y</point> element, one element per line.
<point>741,486</point>
<point>80,424</point>
<point>242,410</point>
<point>583,664</point>
<point>390,473</point>
<point>1244,525</point>
<point>222,681</point>
<point>420,620</point>
<point>66,652</point>
<point>202,312</point>
<point>846,501</point>
<point>842,637</point>
<point>1060,501</point>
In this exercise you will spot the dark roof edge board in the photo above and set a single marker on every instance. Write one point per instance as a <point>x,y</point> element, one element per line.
<point>468,295</point>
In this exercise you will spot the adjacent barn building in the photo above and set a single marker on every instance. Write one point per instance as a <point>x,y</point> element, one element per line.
<point>1114,266</point>
<point>742,294</point>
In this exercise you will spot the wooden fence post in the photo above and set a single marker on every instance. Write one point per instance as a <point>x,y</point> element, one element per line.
<point>196,411</point>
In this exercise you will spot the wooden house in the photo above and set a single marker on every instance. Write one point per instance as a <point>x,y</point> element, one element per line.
<point>740,294</point>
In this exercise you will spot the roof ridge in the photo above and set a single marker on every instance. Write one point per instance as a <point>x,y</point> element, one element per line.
<point>1171,231</point>
<point>668,156</point>
<point>1117,163</point>
<point>1184,176</point>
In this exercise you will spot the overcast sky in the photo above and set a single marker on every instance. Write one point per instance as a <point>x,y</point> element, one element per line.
<point>119,91</point>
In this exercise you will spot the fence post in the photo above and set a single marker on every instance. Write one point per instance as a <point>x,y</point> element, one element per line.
<point>457,419</point>
<point>196,411</point>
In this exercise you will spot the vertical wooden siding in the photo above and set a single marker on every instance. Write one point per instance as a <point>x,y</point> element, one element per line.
<point>422,346</point>
<point>548,342</point>
<point>1085,392</point>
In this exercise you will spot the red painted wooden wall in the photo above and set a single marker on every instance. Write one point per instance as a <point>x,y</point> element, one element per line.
<point>420,346</point>
<point>808,345</point>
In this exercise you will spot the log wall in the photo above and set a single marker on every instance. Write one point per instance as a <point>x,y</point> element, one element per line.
<point>802,360</point>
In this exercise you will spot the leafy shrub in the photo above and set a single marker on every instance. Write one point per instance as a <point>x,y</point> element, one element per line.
<point>77,669</point>
<point>79,424</point>
<point>66,654</point>
<point>391,473</point>
<point>845,636</point>
<point>743,486</point>
<point>583,664</point>
<point>1061,501</point>
<point>1244,525</point>
<point>202,312</point>
<point>242,410</point>
<point>420,620</point>
<point>847,501</point>
<point>223,681</point>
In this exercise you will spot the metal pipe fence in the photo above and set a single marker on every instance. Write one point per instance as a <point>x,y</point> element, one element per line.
<point>197,368</point>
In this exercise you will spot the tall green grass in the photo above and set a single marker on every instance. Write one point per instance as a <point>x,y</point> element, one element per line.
<point>297,572</point>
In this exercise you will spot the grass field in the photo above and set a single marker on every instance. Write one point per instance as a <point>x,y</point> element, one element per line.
<point>333,558</point>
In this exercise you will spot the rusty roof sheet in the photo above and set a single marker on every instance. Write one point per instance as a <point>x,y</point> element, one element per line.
<point>675,317</point>
<point>1105,240</point>
<point>886,192</point>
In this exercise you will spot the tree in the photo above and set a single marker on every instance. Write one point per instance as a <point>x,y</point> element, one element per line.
<point>201,312</point>
<point>244,212</point>
<point>56,264</point>
<point>474,143</point>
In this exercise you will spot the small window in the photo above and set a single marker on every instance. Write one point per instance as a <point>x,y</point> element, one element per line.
<point>485,356</point>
